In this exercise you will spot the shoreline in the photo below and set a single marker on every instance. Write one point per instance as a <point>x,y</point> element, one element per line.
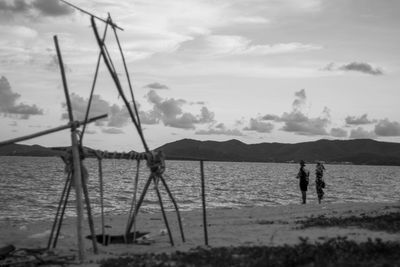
<point>250,226</point>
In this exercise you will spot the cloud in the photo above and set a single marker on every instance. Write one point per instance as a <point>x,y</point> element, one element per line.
<point>206,115</point>
<point>220,131</point>
<point>42,7</point>
<point>361,133</point>
<point>300,100</point>
<point>361,67</point>
<point>88,131</point>
<point>353,120</point>
<point>112,131</point>
<point>387,128</point>
<point>156,85</point>
<point>170,113</point>
<point>297,122</point>
<point>251,20</point>
<point>8,105</point>
<point>271,117</point>
<point>117,116</point>
<point>355,66</point>
<point>53,65</point>
<point>338,132</point>
<point>149,117</point>
<point>259,126</point>
<point>52,8</point>
<point>239,45</point>
<point>17,6</point>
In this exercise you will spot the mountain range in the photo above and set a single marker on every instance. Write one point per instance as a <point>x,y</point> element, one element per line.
<point>359,151</point>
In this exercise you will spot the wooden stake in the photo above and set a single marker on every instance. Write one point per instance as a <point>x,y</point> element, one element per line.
<point>203,198</point>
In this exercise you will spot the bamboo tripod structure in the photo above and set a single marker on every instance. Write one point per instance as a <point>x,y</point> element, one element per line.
<point>75,176</point>
<point>155,175</point>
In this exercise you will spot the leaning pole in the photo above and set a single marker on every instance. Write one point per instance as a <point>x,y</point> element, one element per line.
<point>77,176</point>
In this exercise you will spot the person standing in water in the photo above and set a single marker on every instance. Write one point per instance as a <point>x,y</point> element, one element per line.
<point>303,177</point>
<point>319,181</point>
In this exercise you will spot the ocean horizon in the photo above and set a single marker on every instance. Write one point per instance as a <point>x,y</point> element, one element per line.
<point>30,187</point>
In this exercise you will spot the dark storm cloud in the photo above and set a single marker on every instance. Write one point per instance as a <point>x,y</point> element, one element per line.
<point>355,66</point>
<point>361,133</point>
<point>338,132</point>
<point>156,85</point>
<point>259,126</point>
<point>9,105</point>
<point>387,128</point>
<point>353,120</point>
<point>170,113</point>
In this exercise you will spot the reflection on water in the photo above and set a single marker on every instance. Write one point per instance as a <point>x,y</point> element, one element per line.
<point>30,187</point>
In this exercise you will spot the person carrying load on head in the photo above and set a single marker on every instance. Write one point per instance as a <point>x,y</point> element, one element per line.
<point>319,181</point>
<point>303,177</point>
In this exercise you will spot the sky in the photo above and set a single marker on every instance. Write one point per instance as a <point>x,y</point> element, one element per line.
<point>284,71</point>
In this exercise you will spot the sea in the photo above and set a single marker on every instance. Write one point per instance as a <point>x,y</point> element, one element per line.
<point>31,187</point>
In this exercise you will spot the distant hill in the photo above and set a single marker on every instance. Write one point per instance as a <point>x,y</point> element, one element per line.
<point>360,151</point>
<point>25,150</point>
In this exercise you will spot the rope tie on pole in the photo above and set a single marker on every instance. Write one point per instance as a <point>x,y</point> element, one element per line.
<point>156,162</point>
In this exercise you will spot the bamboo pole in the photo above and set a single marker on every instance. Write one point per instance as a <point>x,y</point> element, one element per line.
<point>63,210</point>
<point>49,131</point>
<point>162,209</point>
<point>175,206</point>
<point>77,174</point>
<point>203,198</point>
<point>99,159</point>
<point>116,80</point>
<point>90,14</point>
<point>89,213</point>
<point>60,205</point>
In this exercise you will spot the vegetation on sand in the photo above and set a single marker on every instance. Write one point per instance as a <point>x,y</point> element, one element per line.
<point>334,252</point>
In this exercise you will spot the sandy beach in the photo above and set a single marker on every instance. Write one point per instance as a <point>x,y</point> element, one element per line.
<point>253,226</point>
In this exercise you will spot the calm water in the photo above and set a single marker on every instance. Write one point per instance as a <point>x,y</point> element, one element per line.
<point>30,187</point>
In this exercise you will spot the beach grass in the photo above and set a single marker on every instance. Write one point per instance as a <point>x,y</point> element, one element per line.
<point>388,222</point>
<point>333,252</point>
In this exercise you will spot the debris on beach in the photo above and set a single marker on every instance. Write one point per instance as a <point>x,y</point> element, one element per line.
<point>11,256</point>
<point>334,252</point>
<point>389,222</point>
